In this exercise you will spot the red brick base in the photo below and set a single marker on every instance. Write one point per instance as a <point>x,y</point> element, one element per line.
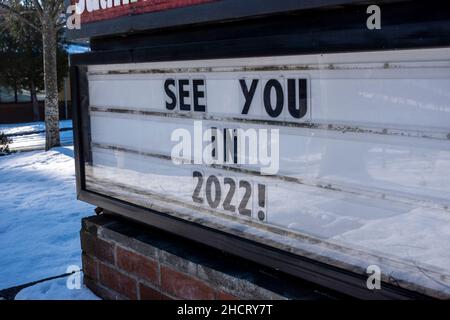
<point>122,260</point>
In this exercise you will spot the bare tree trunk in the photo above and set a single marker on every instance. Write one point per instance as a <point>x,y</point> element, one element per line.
<point>51,85</point>
<point>15,93</point>
<point>34,101</point>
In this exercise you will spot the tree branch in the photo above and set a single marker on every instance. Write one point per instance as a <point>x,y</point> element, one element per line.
<point>40,11</point>
<point>61,25</point>
<point>38,5</point>
<point>18,15</point>
<point>57,9</point>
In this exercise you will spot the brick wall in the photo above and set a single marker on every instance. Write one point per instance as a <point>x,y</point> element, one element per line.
<point>23,112</point>
<point>123,260</point>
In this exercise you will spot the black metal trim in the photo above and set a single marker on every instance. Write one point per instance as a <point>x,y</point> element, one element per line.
<point>77,133</point>
<point>198,14</point>
<point>329,30</point>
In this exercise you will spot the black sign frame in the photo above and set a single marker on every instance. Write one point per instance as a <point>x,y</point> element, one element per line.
<point>343,281</point>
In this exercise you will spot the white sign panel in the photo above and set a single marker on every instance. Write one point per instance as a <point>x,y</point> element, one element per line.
<point>344,158</point>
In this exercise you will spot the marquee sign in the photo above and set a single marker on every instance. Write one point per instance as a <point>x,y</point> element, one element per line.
<point>327,166</point>
<point>279,150</point>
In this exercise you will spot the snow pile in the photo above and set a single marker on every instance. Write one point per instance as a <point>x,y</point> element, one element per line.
<point>39,217</point>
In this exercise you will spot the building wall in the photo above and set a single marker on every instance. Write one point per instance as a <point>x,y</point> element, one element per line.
<point>23,112</point>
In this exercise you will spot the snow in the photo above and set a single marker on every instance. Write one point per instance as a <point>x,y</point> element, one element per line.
<point>20,128</point>
<point>37,141</point>
<point>31,136</point>
<point>7,95</point>
<point>40,217</point>
<point>56,289</point>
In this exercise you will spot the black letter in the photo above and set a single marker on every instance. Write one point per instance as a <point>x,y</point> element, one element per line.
<point>302,88</point>
<point>170,105</point>
<point>196,195</point>
<point>230,147</point>
<point>229,197</point>
<point>183,94</point>
<point>246,198</point>
<point>272,83</point>
<point>213,200</point>
<point>198,94</point>
<point>248,94</point>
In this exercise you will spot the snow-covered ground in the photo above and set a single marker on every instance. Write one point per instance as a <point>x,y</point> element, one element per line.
<point>55,290</point>
<point>40,220</point>
<point>21,128</point>
<point>31,136</point>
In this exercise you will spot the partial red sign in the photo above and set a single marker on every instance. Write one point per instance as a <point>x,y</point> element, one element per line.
<point>99,10</point>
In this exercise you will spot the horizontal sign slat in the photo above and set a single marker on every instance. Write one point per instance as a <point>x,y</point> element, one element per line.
<point>351,97</point>
<point>333,159</point>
